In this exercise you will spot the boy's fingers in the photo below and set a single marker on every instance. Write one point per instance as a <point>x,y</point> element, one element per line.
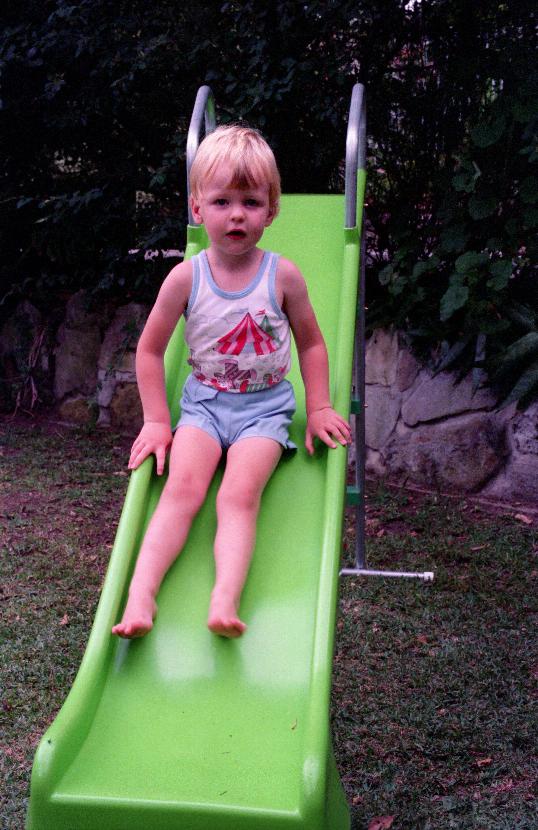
<point>340,436</point>
<point>138,456</point>
<point>160,455</point>
<point>326,438</point>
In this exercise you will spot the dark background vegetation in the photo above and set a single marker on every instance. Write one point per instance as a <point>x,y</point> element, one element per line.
<point>95,103</point>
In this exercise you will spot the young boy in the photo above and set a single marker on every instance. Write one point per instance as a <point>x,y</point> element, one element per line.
<point>240,304</point>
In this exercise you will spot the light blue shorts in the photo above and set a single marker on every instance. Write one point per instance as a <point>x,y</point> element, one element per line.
<point>231,416</point>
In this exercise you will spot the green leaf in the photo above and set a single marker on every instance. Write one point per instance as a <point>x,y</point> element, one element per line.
<point>461,182</point>
<point>398,284</point>
<point>526,386</point>
<point>529,189</point>
<point>530,151</point>
<point>453,239</point>
<point>530,217</point>
<point>451,356</point>
<point>454,297</point>
<point>484,135</point>
<point>470,260</point>
<point>521,351</point>
<point>425,266</point>
<point>480,207</point>
<point>467,177</point>
<point>385,275</point>
<point>522,316</point>
<point>502,271</point>
<point>494,244</point>
<point>525,111</point>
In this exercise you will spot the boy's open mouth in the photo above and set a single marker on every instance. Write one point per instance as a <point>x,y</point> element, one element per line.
<point>236,234</point>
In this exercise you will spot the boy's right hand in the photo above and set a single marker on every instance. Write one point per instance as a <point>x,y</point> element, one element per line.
<point>154,438</point>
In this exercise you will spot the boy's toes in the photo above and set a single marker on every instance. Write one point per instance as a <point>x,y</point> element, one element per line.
<point>230,628</point>
<point>129,631</point>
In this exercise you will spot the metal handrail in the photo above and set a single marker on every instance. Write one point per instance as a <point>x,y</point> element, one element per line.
<point>204,108</point>
<point>355,161</point>
<point>355,151</point>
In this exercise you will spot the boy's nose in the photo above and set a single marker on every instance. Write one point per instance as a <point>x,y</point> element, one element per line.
<point>237,211</point>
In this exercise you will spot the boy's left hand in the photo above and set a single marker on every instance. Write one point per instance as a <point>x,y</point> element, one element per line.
<point>324,423</point>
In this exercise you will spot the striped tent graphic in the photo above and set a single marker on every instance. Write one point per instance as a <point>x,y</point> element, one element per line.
<point>247,336</point>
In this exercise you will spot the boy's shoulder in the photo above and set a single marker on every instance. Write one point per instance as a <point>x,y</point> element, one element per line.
<point>291,283</point>
<point>288,272</point>
<point>183,270</point>
<point>176,287</point>
<point>180,276</point>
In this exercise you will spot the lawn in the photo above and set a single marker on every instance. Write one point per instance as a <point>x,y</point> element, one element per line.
<point>434,697</point>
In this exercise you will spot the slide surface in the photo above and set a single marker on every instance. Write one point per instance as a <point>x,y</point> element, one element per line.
<point>184,729</point>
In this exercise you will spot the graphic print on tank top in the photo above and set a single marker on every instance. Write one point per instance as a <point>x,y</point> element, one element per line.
<point>239,341</point>
<point>246,336</point>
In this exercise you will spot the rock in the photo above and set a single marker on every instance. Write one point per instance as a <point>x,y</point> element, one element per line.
<point>77,352</point>
<point>79,314</point>
<point>126,408</point>
<point>407,370</point>
<point>518,479</point>
<point>381,415</point>
<point>25,358</point>
<point>374,463</point>
<point>116,373</point>
<point>382,357</point>
<point>517,482</point>
<point>524,432</point>
<point>78,410</point>
<point>440,396</point>
<point>105,387</point>
<point>460,454</point>
<point>119,345</point>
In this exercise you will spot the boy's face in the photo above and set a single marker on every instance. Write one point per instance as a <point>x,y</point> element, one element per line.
<point>234,218</point>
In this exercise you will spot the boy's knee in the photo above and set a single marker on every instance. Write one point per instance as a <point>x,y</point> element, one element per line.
<point>241,496</point>
<point>185,490</point>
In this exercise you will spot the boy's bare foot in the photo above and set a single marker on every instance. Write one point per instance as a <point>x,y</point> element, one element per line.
<point>223,617</point>
<point>137,618</point>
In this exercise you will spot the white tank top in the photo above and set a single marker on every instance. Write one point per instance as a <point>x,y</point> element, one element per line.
<point>239,341</point>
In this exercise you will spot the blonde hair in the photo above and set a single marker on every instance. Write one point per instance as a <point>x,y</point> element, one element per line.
<point>249,156</point>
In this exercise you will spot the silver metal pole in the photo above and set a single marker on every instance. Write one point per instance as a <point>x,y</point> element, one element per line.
<point>204,110</point>
<point>355,151</point>
<point>355,161</point>
<point>360,423</point>
<point>427,576</point>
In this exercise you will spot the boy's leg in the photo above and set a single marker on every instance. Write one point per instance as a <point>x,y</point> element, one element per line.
<point>193,460</point>
<point>249,466</point>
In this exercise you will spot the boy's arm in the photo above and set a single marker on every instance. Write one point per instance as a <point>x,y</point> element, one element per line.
<point>156,434</point>
<point>322,420</point>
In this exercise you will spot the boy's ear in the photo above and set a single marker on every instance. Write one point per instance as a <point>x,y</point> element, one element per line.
<point>271,215</point>
<point>195,210</point>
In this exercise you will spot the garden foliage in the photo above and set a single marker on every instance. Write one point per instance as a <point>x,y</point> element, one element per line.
<point>95,103</point>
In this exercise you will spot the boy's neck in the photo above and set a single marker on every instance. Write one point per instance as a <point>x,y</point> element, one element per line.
<point>234,267</point>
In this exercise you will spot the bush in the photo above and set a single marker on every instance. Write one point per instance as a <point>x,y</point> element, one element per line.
<point>466,273</point>
<point>96,99</point>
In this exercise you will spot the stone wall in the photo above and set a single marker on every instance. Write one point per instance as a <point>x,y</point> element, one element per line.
<point>429,429</point>
<point>86,369</point>
<point>420,427</point>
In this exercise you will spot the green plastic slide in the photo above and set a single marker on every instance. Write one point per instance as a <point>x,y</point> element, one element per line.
<point>185,729</point>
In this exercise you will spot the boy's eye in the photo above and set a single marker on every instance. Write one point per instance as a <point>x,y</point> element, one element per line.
<point>220,202</point>
<point>251,202</point>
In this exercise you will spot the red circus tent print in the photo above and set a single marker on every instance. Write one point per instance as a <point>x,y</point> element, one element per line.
<point>247,335</point>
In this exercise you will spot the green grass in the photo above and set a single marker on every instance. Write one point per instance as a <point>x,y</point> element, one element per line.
<point>61,491</point>
<point>434,701</point>
<point>434,697</point>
